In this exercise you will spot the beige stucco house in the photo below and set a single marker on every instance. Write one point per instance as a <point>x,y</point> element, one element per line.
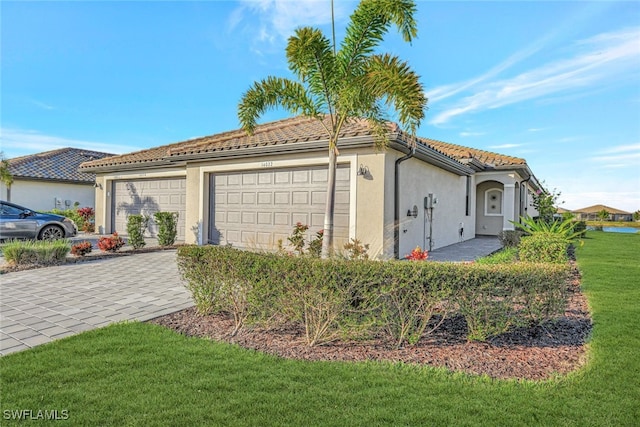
<point>51,180</point>
<point>250,191</point>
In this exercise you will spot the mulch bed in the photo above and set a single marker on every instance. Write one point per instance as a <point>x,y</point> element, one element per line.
<point>526,353</point>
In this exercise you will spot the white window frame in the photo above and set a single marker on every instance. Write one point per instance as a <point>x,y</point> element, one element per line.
<point>486,202</point>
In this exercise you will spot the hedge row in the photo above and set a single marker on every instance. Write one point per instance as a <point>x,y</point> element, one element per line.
<point>404,300</point>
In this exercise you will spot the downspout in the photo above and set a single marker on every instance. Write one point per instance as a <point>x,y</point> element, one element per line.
<point>396,203</point>
<point>524,193</point>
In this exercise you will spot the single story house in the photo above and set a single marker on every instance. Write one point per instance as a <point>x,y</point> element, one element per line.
<point>590,213</point>
<point>51,180</point>
<point>250,191</point>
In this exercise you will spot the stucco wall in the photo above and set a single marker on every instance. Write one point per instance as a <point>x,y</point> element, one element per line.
<point>417,180</point>
<point>44,196</point>
<point>371,197</point>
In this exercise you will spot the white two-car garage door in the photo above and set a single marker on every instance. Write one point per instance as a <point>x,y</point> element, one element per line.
<point>148,196</point>
<point>254,209</point>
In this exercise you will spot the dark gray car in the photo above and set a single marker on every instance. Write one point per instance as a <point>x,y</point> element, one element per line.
<point>18,222</point>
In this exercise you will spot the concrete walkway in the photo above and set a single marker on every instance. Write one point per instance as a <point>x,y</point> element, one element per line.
<point>469,250</point>
<point>41,305</point>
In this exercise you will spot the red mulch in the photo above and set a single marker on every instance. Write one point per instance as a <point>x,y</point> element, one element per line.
<point>525,353</point>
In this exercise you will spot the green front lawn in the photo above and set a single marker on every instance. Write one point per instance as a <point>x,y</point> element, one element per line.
<point>141,374</point>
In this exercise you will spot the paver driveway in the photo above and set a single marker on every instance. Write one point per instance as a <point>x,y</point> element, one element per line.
<point>38,306</point>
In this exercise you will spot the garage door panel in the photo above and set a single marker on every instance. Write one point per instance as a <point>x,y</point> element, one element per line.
<point>281,198</point>
<point>319,176</point>
<point>282,177</point>
<point>300,218</point>
<point>281,218</point>
<point>271,203</point>
<point>146,197</point>
<point>300,197</point>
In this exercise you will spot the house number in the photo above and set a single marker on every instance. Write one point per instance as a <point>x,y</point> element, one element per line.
<point>266,164</point>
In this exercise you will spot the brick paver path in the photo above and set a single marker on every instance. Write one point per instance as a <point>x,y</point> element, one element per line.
<point>38,306</point>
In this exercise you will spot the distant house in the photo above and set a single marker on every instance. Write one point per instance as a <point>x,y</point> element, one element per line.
<point>250,191</point>
<point>591,213</point>
<point>51,179</point>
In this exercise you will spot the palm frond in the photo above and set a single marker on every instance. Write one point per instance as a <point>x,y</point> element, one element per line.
<point>393,80</point>
<point>311,59</point>
<point>369,23</point>
<point>275,92</point>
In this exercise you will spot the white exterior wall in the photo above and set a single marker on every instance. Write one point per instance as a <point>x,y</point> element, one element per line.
<point>45,195</point>
<point>371,197</point>
<point>417,180</point>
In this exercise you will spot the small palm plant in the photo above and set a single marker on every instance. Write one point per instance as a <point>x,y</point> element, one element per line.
<point>563,228</point>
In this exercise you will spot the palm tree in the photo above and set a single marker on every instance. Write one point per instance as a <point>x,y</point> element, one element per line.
<point>5,176</point>
<point>335,87</point>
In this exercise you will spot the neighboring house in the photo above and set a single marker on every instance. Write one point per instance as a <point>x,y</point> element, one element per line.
<point>49,180</point>
<point>591,213</point>
<point>250,191</point>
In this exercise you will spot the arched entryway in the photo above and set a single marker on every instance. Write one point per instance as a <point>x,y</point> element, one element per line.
<point>490,204</point>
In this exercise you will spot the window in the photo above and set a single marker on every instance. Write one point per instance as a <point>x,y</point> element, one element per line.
<point>493,202</point>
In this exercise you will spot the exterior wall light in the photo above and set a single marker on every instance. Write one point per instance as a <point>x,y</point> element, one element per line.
<point>363,170</point>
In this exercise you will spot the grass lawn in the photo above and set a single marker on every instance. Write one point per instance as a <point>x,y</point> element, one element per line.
<point>140,374</point>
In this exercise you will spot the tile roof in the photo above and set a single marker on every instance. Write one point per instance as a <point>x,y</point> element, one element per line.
<point>58,165</point>
<point>461,153</point>
<point>598,208</point>
<point>281,132</point>
<point>284,132</point>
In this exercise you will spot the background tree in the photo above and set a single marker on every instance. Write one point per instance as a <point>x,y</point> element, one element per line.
<point>335,86</point>
<point>603,215</point>
<point>546,203</point>
<point>5,175</point>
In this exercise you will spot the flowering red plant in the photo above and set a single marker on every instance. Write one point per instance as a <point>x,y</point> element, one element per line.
<point>86,213</point>
<point>417,255</point>
<point>81,249</point>
<point>111,243</point>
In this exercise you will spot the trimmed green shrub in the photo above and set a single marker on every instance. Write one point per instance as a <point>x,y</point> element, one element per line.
<point>136,226</point>
<point>507,255</point>
<point>41,252</point>
<point>510,238</point>
<point>339,297</point>
<point>543,247</point>
<point>167,227</point>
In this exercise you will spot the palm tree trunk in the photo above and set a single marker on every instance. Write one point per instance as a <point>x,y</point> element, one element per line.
<point>327,238</point>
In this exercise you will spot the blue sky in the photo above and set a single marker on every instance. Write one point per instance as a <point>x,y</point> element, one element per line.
<point>557,83</point>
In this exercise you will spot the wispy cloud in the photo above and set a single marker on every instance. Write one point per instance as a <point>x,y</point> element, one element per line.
<point>277,19</point>
<point>42,105</point>
<point>622,149</point>
<point>603,59</point>
<point>505,146</point>
<point>468,134</point>
<point>621,156</point>
<point>19,142</point>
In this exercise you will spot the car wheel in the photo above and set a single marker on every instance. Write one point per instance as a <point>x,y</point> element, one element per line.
<point>51,232</point>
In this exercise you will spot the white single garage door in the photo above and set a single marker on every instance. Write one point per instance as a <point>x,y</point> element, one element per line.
<point>254,209</point>
<point>148,196</point>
